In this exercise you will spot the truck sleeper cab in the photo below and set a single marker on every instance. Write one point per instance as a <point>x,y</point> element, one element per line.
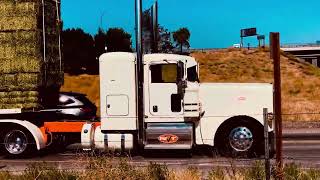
<point>180,112</point>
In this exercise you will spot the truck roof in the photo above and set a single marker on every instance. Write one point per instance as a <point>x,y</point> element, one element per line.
<point>161,57</point>
<point>146,57</point>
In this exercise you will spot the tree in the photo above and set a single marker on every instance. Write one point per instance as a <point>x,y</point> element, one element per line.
<point>100,42</point>
<point>118,40</point>
<point>163,41</point>
<point>78,51</point>
<point>181,38</point>
<point>147,33</point>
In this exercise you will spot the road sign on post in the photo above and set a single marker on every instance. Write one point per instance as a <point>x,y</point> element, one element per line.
<point>246,33</point>
<point>275,54</point>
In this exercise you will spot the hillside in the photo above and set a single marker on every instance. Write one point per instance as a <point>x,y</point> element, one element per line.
<point>300,81</point>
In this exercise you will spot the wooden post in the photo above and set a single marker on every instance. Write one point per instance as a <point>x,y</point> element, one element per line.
<point>266,144</point>
<point>275,54</point>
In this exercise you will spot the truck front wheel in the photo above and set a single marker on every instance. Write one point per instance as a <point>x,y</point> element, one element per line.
<point>17,142</point>
<point>241,139</point>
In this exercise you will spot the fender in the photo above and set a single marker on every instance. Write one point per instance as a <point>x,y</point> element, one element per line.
<point>33,129</point>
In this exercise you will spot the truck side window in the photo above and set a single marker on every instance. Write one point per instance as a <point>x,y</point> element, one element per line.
<point>164,73</point>
<point>192,74</point>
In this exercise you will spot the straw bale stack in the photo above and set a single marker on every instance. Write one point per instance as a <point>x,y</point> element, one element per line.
<point>30,68</point>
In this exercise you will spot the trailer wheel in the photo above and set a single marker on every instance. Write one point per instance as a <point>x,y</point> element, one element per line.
<point>17,143</point>
<point>241,139</point>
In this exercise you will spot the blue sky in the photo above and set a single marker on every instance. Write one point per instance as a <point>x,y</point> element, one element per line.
<point>213,23</point>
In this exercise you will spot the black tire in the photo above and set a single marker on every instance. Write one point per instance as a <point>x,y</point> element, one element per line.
<point>25,143</point>
<point>251,129</point>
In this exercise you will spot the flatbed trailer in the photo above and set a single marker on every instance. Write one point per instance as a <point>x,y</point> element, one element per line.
<point>32,131</point>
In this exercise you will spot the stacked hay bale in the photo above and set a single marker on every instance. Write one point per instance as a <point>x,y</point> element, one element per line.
<point>30,63</point>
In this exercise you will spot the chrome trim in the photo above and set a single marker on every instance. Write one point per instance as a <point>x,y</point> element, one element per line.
<point>16,142</point>
<point>241,139</point>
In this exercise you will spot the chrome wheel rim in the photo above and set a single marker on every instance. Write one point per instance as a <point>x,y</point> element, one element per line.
<point>241,139</point>
<point>15,142</point>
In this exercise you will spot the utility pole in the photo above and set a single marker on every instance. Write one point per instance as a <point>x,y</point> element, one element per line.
<point>140,74</point>
<point>101,18</point>
<point>275,54</point>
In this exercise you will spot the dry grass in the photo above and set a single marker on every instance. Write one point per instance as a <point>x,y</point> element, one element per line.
<point>300,81</point>
<point>122,169</point>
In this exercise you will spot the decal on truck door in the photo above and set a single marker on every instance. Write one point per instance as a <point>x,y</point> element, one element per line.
<point>168,138</point>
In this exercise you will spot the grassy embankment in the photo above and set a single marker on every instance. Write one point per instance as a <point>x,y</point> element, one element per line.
<point>105,168</point>
<point>300,81</point>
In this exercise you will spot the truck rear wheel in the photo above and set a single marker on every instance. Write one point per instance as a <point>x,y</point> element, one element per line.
<point>241,139</point>
<point>17,142</point>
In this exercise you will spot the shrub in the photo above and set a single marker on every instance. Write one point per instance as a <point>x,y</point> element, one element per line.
<point>157,171</point>
<point>256,172</point>
<point>216,174</point>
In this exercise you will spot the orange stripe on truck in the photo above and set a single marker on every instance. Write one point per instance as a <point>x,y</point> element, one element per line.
<point>65,127</point>
<point>62,127</point>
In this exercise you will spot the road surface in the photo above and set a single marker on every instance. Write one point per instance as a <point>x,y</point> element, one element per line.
<point>300,146</point>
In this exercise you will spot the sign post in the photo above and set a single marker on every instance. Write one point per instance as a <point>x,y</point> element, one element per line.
<point>261,40</point>
<point>266,144</point>
<point>275,54</point>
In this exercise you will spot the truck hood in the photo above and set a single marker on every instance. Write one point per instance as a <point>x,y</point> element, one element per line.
<point>229,99</point>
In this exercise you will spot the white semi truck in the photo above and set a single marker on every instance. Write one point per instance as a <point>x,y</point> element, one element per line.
<point>179,112</point>
<point>151,102</point>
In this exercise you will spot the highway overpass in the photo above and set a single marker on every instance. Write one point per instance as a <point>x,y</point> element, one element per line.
<point>309,53</point>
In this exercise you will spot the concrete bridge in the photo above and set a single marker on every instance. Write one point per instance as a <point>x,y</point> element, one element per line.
<point>309,52</point>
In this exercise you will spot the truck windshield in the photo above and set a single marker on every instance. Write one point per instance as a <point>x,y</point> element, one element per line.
<point>192,74</point>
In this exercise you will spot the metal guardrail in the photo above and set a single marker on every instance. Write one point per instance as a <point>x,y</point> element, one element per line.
<point>299,45</point>
<point>301,136</point>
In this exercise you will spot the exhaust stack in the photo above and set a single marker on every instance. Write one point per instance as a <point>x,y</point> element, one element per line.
<point>140,74</point>
<point>154,13</point>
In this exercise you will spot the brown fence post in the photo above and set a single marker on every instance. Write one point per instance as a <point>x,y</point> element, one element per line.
<point>275,54</point>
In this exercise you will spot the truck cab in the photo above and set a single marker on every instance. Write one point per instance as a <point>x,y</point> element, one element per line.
<point>171,88</point>
<point>179,111</point>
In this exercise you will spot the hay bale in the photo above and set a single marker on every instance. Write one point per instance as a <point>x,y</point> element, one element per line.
<point>11,8</point>
<point>20,106</point>
<point>19,99</point>
<point>18,23</point>
<point>28,77</point>
<point>20,65</point>
<point>14,94</point>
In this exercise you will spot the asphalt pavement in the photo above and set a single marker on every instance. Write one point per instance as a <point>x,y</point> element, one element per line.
<point>301,146</point>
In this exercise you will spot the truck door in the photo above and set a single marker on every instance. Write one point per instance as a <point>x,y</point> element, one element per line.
<point>163,90</point>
